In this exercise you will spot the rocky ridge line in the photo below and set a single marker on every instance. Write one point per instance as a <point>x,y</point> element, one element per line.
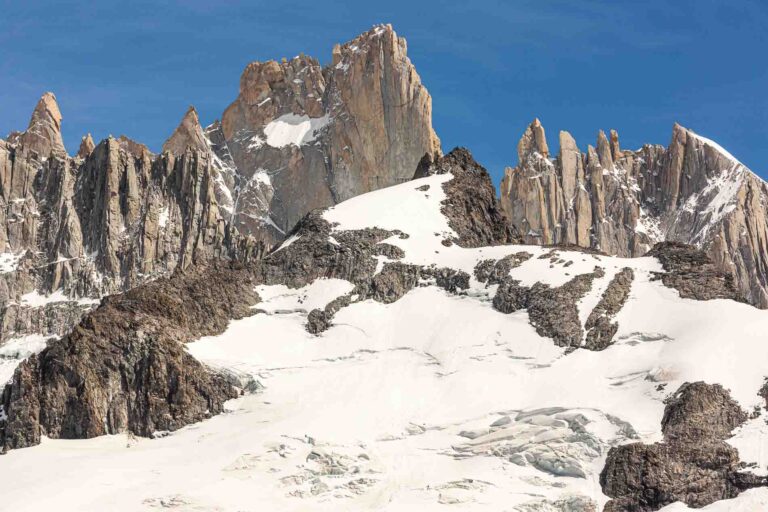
<point>623,202</point>
<point>123,368</point>
<point>110,219</point>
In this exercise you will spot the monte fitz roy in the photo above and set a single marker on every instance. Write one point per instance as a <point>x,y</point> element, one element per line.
<point>306,304</point>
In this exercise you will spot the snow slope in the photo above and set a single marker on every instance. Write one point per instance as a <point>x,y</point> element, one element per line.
<point>431,401</point>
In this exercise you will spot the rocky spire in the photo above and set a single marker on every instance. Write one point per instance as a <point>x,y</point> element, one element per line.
<point>43,135</point>
<point>578,221</point>
<point>533,139</point>
<point>604,150</point>
<point>86,146</point>
<point>615,148</point>
<point>189,134</point>
<point>301,136</point>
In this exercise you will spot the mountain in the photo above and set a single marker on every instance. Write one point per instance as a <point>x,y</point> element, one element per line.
<point>298,137</point>
<point>390,358</point>
<point>622,202</point>
<point>301,136</point>
<point>111,218</point>
<point>306,306</point>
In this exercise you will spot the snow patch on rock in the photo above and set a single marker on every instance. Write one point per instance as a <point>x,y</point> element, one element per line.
<point>294,129</point>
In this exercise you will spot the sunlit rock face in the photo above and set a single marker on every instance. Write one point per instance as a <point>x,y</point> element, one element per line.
<point>74,229</point>
<point>622,202</point>
<point>301,136</point>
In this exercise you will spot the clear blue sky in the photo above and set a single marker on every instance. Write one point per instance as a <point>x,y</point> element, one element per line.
<point>492,66</point>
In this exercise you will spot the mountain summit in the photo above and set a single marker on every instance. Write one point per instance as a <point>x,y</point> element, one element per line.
<point>300,136</point>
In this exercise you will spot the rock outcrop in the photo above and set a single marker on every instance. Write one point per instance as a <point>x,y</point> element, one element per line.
<point>600,326</point>
<point>43,134</point>
<point>623,202</point>
<point>301,136</point>
<point>693,464</point>
<point>552,311</point>
<point>471,206</point>
<point>124,367</point>
<point>86,147</point>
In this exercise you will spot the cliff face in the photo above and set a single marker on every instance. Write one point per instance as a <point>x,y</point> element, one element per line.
<point>300,136</point>
<point>623,202</point>
<point>102,222</point>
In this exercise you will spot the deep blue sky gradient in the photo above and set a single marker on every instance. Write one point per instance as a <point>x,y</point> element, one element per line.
<point>491,66</point>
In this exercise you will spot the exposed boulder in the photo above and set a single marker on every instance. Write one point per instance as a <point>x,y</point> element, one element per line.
<point>692,465</point>
<point>698,410</point>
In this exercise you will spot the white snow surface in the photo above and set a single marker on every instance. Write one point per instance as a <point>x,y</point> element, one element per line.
<point>9,261</point>
<point>35,299</point>
<point>16,349</point>
<point>294,129</point>
<point>368,415</point>
<point>162,219</point>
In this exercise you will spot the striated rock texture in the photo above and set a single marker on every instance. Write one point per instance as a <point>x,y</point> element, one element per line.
<point>622,202</point>
<point>693,464</point>
<point>43,135</point>
<point>124,368</point>
<point>301,136</point>
<point>107,220</point>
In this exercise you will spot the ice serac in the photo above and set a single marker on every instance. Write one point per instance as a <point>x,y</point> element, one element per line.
<point>622,202</point>
<point>301,136</point>
<point>113,217</point>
